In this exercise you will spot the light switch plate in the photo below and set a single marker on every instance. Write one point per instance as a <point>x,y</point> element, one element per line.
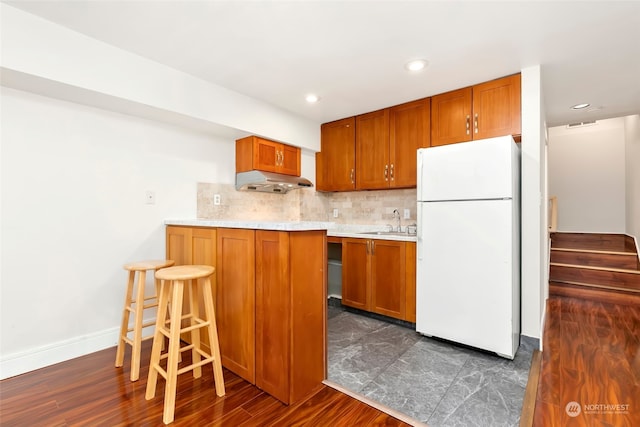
<point>407,214</point>
<point>150,197</point>
<point>335,213</point>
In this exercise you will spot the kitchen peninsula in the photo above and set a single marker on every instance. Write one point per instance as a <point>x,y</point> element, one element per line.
<point>270,297</point>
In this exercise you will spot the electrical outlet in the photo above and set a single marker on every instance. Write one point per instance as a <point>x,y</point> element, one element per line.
<point>216,199</point>
<point>335,213</point>
<point>407,214</point>
<point>150,197</point>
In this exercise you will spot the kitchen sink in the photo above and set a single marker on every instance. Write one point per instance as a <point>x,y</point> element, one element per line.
<point>388,233</point>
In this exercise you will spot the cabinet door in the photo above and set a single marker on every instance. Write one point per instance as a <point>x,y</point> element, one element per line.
<point>338,155</point>
<point>273,313</point>
<point>235,300</point>
<point>178,244</point>
<point>372,150</point>
<point>289,160</point>
<point>266,155</point>
<point>203,248</point>
<point>497,108</point>
<point>409,129</point>
<point>410,275</point>
<point>451,117</point>
<point>355,273</point>
<point>308,278</point>
<point>388,290</point>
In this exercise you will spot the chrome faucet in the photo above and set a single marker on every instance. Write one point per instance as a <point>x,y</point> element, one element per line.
<point>395,212</point>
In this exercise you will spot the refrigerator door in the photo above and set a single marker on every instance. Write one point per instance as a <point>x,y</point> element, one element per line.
<point>481,169</point>
<point>465,273</point>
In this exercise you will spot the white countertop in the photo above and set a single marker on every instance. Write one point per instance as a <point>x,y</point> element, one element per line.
<point>333,229</point>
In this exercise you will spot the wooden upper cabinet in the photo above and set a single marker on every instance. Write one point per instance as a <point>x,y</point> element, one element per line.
<point>497,108</point>
<point>451,117</point>
<point>336,169</point>
<point>255,153</point>
<point>409,129</point>
<point>372,150</point>
<point>482,111</point>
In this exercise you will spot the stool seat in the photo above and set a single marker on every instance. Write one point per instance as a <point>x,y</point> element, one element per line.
<point>135,302</point>
<point>154,264</point>
<point>185,272</point>
<point>194,281</point>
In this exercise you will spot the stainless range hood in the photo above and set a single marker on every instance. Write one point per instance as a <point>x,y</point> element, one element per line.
<point>268,182</point>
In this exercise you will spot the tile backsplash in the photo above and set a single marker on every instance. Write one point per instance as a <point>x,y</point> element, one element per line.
<point>355,207</point>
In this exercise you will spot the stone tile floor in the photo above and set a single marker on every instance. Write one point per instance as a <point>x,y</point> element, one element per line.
<point>432,381</point>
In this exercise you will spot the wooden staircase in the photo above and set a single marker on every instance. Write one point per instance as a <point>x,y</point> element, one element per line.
<point>603,267</point>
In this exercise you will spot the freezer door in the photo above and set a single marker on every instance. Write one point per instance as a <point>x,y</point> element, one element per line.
<point>481,169</point>
<point>465,274</point>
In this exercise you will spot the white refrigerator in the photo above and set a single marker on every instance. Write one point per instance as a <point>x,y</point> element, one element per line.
<point>468,244</point>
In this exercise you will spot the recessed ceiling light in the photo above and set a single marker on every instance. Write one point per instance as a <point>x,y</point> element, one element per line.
<point>312,98</point>
<point>416,65</point>
<point>580,106</point>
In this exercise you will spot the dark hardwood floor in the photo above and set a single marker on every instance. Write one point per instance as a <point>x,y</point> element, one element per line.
<point>90,391</point>
<point>591,356</point>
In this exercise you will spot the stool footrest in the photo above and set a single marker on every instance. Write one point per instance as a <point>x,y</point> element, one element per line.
<point>130,341</point>
<point>201,323</point>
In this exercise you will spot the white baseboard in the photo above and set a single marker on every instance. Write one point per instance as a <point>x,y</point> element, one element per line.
<point>46,355</point>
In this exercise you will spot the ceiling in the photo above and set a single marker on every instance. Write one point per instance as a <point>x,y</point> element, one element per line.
<point>352,53</point>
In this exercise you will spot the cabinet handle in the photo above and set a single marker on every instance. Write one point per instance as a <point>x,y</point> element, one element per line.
<point>391,171</point>
<point>373,247</point>
<point>368,245</point>
<point>386,172</point>
<point>475,123</point>
<point>351,176</point>
<point>280,158</point>
<point>468,124</point>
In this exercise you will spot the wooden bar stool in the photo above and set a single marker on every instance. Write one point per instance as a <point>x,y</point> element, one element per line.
<point>198,277</point>
<point>136,306</point>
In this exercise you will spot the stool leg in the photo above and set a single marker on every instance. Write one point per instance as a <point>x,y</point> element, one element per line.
<point>214,345</point>
<point>158,338</point>
<point>137,327</point>
<point>174,351</point>
<point>157,283</point>
<point>124,327</point>
<point>194,309</point>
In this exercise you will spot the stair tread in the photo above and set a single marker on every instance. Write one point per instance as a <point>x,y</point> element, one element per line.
<point>601,287</point>
<point>591,267</point>
<point>593,241</point>
<point>594,251</point>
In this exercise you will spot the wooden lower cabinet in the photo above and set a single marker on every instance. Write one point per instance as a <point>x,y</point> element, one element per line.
<point>193,245</point>
<point>355,273</point>
<point>379,276</point>
<point>290,312</point>
<point>376,276</point>
<point>235,300</point>
<point>270,301</point>
<point>410,285</point>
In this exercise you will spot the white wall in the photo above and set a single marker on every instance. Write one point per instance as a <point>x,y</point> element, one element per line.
<point>533,220</point>
<point>73,212</point>
<point>587,174</point>
<point>40,56</point>
<point>632,170</point>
